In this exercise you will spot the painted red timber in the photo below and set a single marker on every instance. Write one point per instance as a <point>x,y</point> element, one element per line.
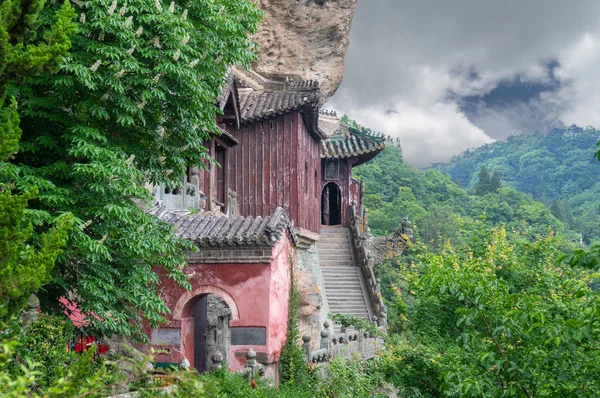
<point>257,295</point>
<point>271,166</point>
<point>343,183</point>
<point>355,193</point>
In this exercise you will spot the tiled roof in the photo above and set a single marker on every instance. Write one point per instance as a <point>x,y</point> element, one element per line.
<point>263,98</point>
<point>329,123</point>
<point>220,231</point>
<point>228,84</point>
<point>348,142</point>
<point>259,105</point>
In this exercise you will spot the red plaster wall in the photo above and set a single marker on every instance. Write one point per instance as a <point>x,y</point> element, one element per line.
<point>257,295</point>
<point>279,293</point>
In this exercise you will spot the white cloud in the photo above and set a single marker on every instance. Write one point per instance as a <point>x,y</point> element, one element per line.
<point>437,132</point>
<point>580,96</point>
<point>409,56</point>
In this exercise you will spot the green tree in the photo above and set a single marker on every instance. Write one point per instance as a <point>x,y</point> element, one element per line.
<point>498,317</point>
<point>29,46</point>
<point>132,105</point>
<point>495,182</point>
<point>483,184</point>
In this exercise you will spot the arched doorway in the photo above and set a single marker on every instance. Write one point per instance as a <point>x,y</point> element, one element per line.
<point>211,330</point>
<point>331,205</point>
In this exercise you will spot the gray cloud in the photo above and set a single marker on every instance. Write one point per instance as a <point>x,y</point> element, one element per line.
<point>434,72</point>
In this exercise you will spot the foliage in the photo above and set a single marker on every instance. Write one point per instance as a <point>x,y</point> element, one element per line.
<point>26,261</point>
<point>352,377</point>
<point>439,209</point>
<point>131,105</point>
<point>357,323</point>
<point>43,343</point>
<point>34,363</point>
<point>558,166</point>
<point>484,184</point>
<point>292,364</point>
<point>498,317</point>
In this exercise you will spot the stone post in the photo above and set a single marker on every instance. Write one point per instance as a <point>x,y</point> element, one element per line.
<point>217,360</point>
<point>325,336</point>
<point>184,192</point>
<point>184,364</point>
<point>31,314</point>
<point>253,368</point>
<point>306,347</point>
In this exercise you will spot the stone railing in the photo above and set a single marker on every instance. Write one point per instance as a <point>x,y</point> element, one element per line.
<point>366,261</point>
<point>346,343</point>
<point>183,197</point>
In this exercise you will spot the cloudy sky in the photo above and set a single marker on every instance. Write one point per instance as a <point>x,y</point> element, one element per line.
<point>447,75</point>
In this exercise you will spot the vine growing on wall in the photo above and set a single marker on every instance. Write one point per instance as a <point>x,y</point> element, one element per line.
<point>292,368</point>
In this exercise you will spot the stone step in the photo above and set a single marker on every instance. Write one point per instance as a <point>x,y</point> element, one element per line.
<point>334,246</point>
<point>334,250</point>
<point>345,261</point>
<point>334,289</point>
<point>331,230</point>
<point>343,283</point>
<point>347,306</point>
<point>337,276</point>
<point>341,278</point>
<point>346,289</point>
<point>328,264</point>
<point>344,308</point>
<point>337,240</point>
<point>335,257</point>
<point>334,271</point>
<point>342,294</point>
<point>332,237</point>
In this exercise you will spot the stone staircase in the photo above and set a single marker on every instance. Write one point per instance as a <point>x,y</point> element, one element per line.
<point>344,286</point>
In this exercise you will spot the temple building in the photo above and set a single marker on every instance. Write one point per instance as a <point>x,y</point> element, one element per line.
<point>275,205</point>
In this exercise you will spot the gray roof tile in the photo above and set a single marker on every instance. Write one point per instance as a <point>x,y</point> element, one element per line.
<point>260,105</point>
<point>220,231</point>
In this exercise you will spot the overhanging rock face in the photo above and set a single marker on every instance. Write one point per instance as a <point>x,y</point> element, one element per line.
<point>305,38</point>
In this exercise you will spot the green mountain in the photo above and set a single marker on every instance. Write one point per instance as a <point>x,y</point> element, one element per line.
<point>559,168</point>
<point>440,209</point>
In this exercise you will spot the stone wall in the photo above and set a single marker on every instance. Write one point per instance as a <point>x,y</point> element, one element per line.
<point>217,333</point>
<point>313,301</point>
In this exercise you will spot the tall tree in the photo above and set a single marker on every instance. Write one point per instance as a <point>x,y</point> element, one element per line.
<point>132,105</point>
<point>495,182</point>
<point>29,46</point>
<point>483,184</point>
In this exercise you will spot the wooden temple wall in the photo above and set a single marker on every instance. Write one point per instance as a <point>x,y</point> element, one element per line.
<point>277,163</point>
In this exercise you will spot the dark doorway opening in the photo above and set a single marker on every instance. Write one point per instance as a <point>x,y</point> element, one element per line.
<point>211,331</point>
<point>331,205</point>
<point>200,329</point>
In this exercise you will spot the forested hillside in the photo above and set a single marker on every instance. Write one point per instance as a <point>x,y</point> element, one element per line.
<point>483,303</point>
<point>439,208</point>
<point>558,168</point>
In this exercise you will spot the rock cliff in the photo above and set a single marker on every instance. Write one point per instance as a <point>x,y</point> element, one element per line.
<point>305,38</point>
